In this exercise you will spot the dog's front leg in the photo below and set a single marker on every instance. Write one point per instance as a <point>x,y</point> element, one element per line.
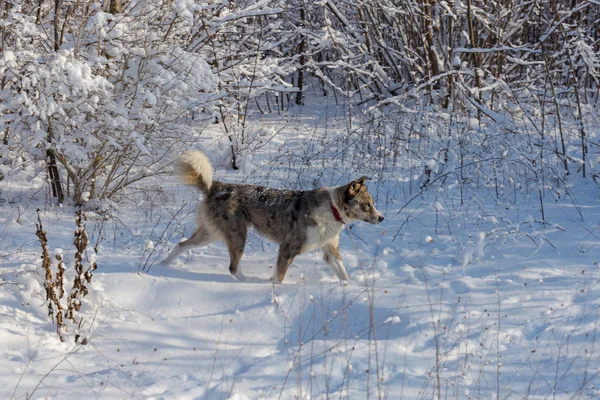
<point>333,258</point>
<point>287,253</point>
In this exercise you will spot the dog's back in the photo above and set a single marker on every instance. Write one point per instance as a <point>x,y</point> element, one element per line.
<point>276,214</point>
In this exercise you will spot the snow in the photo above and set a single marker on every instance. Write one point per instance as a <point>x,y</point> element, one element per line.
<point>8,57</point>
<point>483,297</point>
<point>456,62</point>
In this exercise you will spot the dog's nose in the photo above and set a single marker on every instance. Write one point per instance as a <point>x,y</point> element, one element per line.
<point>381,218</point>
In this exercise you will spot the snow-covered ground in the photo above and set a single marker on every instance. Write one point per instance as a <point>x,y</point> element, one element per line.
<point>480,300</point>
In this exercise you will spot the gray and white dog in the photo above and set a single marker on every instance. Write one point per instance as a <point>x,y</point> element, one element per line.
<point>299,221</point>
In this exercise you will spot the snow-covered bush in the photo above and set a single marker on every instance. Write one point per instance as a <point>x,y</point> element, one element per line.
<point>102,98</point>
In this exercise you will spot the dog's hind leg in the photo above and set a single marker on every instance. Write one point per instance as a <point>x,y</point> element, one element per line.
<point>333,258</point>
<point>235,239</point>
<point>201,237</point>
<point>287,253</point>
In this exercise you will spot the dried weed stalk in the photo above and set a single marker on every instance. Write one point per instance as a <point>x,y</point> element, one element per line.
<point>50,283</point>
<point>54,283</point>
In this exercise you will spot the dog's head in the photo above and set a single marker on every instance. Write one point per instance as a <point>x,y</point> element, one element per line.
<point>358,202</point>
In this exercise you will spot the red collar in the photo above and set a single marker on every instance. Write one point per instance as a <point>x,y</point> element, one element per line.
<point>336,213</point>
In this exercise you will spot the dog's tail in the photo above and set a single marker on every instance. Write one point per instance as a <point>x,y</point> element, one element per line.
<point>195,170</point>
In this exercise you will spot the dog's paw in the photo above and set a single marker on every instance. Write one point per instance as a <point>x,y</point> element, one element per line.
<point>164,263</point>
<point>239,276</point>
<point>346,282</point>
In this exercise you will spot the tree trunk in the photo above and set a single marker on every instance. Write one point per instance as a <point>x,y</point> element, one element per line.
<point>53,174</point>
<point>301,50</point>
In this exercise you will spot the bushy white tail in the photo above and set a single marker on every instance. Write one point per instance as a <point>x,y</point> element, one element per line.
<point>195,169</point>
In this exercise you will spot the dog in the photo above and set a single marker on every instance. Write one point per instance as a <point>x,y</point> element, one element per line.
<point>299,221</point>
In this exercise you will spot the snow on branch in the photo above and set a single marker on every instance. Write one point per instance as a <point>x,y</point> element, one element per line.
<point>496,49</point>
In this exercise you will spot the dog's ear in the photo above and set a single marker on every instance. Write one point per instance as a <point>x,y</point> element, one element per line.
<point>356,186</point>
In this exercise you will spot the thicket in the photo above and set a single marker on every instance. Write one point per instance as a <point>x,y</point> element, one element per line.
<point>478,95</point>
<point>97,95</point>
